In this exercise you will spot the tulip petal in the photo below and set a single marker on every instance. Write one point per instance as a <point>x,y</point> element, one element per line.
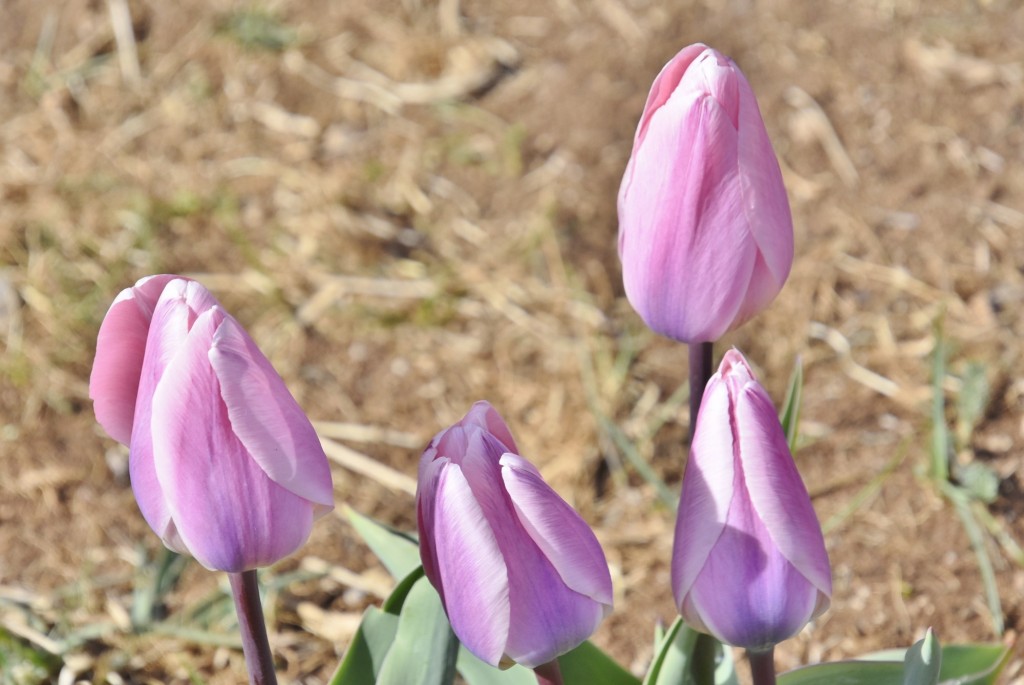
<point>776,491</point>
<point>120,350</point>
<point>426,504</point>
<point>665,84</point>
<point>708,489</point>
<point>686,248</point>
<point>562,536</point>
<point>166,333</point>
<point>548,618</point>
<point>475,578</point>
<point>227,511</point>
<point>763,191</point>
<point>748,594</point>
<point>484,416</point>
<point>267,419</point>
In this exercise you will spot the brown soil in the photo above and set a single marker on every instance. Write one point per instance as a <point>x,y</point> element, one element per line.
<point>411,206</point>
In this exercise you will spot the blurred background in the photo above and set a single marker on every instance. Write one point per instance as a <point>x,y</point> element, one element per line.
<point>411,206</point>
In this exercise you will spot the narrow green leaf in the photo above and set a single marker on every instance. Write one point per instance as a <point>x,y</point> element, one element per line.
<point>971,402</point>
<point>962,504</point>
<point>398,551</point>
<point>368,649</point>
<point>940,432</point>
<point>588,665</point>
<point>425,648</point>
<point>476,672</point>
<point>923,661</point>
<point>393,604</point>
<point>973,664</point>
<point>846,673</point>
<point>686,657</point>
<point>790,418</point>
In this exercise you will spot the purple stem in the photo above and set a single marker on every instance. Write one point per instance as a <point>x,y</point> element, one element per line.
<point>258,658</point>
<point>549,673</point>
<point>702,666</point>
<point>701,360</point>
<point>762,666</point>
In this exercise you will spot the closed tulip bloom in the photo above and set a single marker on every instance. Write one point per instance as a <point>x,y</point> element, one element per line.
<point>224,464</point>
<point>749,564</point>
<point>521,575</point>
<point>705,233</point>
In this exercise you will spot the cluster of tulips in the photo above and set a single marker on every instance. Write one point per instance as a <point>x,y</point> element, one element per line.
<point>227,468</point>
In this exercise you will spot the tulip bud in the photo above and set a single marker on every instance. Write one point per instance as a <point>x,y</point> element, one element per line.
<point>749,564</point>
<point>224,464</point>
<point>705,233</point>
<point>521,575</point>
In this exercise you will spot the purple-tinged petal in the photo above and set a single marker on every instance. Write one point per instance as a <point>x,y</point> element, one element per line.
<point>167,330</point>
<point>227,511</point>
<point>776,491</point>
<point>267,419</point>
<point>120,350</point>
<point>548,618</point>
<point>426,505</point>
<point>475,577</point>
<point>665,84</point>
<point>686,250</point>
<point>748,594</point>
<point>555,527</point>
<point>482,415</point>
<point>708,489</point>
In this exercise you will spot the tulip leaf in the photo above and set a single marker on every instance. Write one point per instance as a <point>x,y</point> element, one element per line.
<point>398,551</point>
<point>396,600</point>
<point>425,648</point>
<point>588,665</point>
<point>923,661</point>
<point>368,649</point>
<point>687,657</point>
<point>476,672</point>
<point>790,418</point>
<point>960,665</point>
<point>846,673</point>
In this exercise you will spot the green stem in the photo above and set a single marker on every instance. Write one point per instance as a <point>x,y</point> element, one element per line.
<point>549,673</point>
<point>259,660</point>
<point>762,666</point>
<point>701,360</point>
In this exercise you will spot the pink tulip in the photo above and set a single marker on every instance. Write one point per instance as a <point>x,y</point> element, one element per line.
<point>705,233</point>
<point>749,564</point>
<point>224,464</point>
<point>521,575</point>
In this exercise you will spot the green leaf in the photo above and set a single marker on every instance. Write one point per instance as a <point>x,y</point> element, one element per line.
<point>368,649</point>
<point>425,648</point>
<point>846,673</point>
<point>588,665</point>
<point>940,432</point>
<point>398,551</point>
<point>686,657</point>
<point>393,604</point>
<point>979,480</point>
<point>790,418</point>
<point>923,662</point>
<point>973,664</point>
<point>971,402</point>
<point>476,672</point>
<point>961,665</point>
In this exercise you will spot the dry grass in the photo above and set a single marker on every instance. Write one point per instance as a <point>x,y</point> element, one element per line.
<point>411,206</point>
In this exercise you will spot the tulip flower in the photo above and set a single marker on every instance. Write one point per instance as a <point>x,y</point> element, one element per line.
<point>224,464</point>
<point>521,575</point>
<point>705,233</point>
<point>749,564</point>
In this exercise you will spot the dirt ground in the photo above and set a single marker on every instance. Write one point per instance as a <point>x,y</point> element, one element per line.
<point>411,206</point>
